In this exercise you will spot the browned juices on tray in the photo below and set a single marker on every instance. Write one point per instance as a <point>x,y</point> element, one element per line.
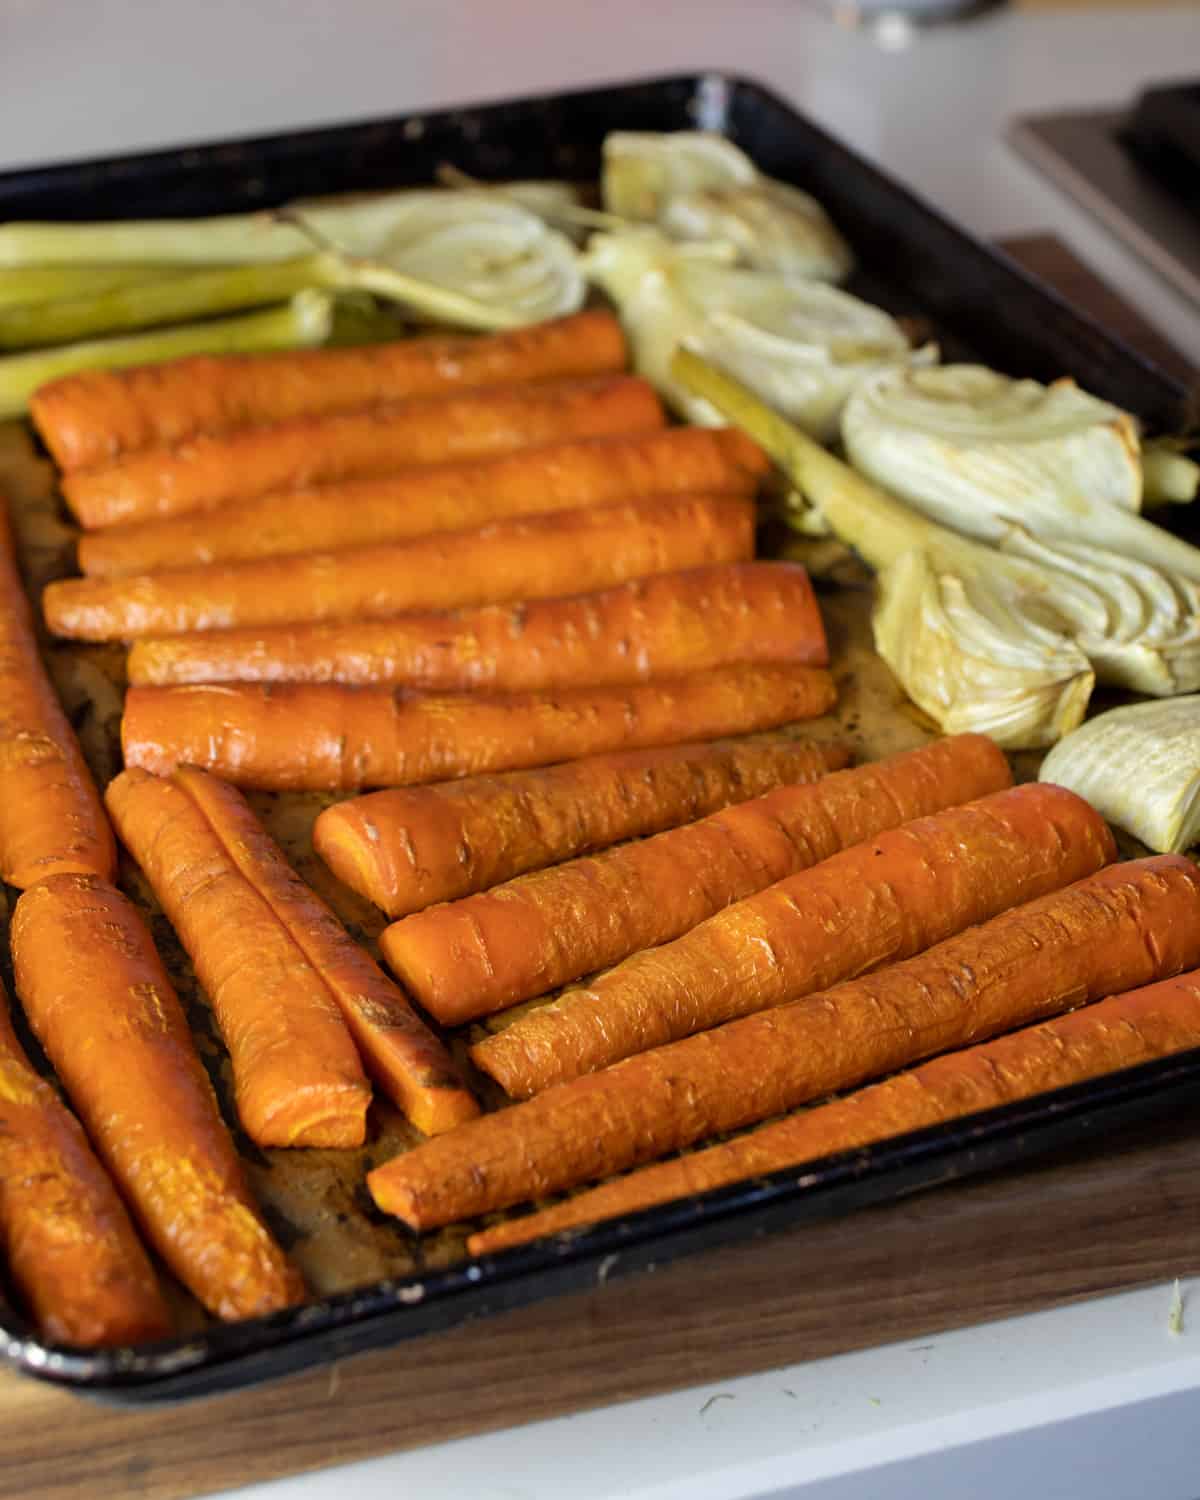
<point>328,737</point>
<point>874,903</point>
<point>1127,926</point>
<point>100,1002</point>
<point>529,557</point>
<point>95,416</point>
<point>205,471</point>
<point>66,1238</point>
<point>297,1076</point>
<point>489,951</point>
<point>51,817</point>
<point>649,627</point>
<point>440,497</point>
<point>406,848</point>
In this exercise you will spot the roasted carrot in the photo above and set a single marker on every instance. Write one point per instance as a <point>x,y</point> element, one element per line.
<point>51,819</point>
<point>327,737</point>
<point>876,902</point>
<point>94,417</point>
<point>528,557</point>
<point>1127,926</point>
<point>443,497</point>
<point>413,1068</point>
<point>296,1073</point>
<point>203,472</point>
<point>472,957</point>
<point>65,1236</point>
<point>648,627</point>
<point>100,1003</point>
<point>404,849</point>
<point>1141,1024</point>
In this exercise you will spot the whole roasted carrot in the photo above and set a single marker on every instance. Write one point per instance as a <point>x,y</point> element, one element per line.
<point>99,1000</point>
<point>876,902</point>
<point>472,957</point>
<point>1127,926</point>
<point>412,1066</point>
<point>327,737</point>
<point>296,1073</point>
<point>526,557</point>
<point>648,627</point>
<point>1115,1033</point>
<point>95,417</point>
<point>404,849</point>
<point>65,1236</point>
<point>443,497</point>
<point>203,472</point>
<point>51,819</point>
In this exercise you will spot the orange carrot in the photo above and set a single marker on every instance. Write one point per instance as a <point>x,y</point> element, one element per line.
<point>203,472</point>
<point>1127,926</point>
<point>94,417</point>
<point>529,557</point>
<point>296,1073</point>
<point>100,1002</point>
<point>876,902</point>
<point>1120,1032</point>
<point>404,849</point>
<point>326,737</point>
<point>66,1238</point>
<point>443,497</point>
<point>479,955</point>
<point>51,819</point>
<point>648,627</point>
<point>412,1066</point>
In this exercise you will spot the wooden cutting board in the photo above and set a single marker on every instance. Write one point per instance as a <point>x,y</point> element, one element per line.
<point>1114,1213</point>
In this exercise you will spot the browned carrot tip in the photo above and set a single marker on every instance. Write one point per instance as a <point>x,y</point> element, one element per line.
<point>1124,927</point>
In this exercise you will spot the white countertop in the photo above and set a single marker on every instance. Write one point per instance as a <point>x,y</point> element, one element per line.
<point>1096,1400</point>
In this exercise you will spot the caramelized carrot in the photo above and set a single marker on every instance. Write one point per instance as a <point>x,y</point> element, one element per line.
<point>443,497</point>
<point>1127,926</point>
<point>874,903</point>
<point>412,1066</point>
<point>100,1002</point>
<point>296,1073</point>
<point>326,737</point>
<point>649,627</point>
<point>530,557</point>
<point>203,472</point>
<point>51,819</point>
<point>1120,1032</point>
<point>94,417</point>
<point>66,1238</point>
<point>404,849</point>
<point>476,956</point>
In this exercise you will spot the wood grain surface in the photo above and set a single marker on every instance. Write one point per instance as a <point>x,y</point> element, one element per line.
<point>1121,1211</point>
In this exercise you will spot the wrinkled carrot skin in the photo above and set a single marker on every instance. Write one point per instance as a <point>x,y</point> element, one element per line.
<point>65,1237</point>
<point>443,497</point>
<point>874,903</point>
<point>100,1002</point>
<point>526,557</point>
<point>649,627</point>
<point>51,819</point>
<point>297,1076</point>
<point>473,957</point>
<point>405,849</point>
<point>1127,926</point>
<point>1120,1032</point>
<point>411,1064</point>
<point>326,737</point>
<point>95,417</point>
<point>204,472</point>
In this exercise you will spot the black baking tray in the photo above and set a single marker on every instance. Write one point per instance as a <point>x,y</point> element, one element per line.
<point>911,258</point>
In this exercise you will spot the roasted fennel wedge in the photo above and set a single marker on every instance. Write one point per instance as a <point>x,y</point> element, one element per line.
<point>1140,767</point>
